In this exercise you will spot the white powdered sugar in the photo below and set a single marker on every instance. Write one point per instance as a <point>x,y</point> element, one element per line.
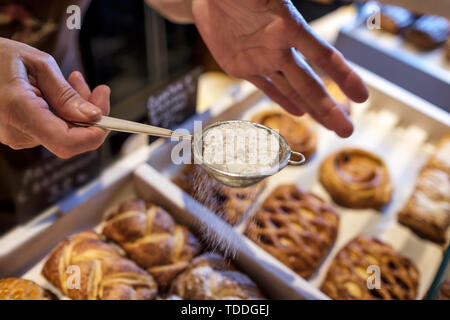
<point>241,148</point>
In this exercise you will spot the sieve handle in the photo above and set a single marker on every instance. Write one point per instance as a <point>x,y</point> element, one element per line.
<point>298,162</point>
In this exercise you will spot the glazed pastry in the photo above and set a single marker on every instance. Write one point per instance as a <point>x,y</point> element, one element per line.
<point>394,19</point>
<point>228,203</point>
<point>299,132</point>
<point>104,273</point>
<point>150,237</point>
<point>337,94</point>
<point>210,277</point>
<point>441,158</point>
<point>428,32</point>
<point>356,179</point>
<point>22,289</point>
<point>427,211</point>
<point>296,227</point>
<point>348,275</point>
<point>444,291</point>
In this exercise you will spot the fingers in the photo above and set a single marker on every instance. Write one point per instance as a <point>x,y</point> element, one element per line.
<point>33,118</point>
<point>318,102</point>
<point>272,92</point>
<point>327,58</point>
<point>16,139</point>
<point>67,102</point>
<point>76,80</point>
<point>101,98</point>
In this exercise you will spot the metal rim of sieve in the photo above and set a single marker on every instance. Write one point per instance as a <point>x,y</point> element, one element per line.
<point>285,153</point>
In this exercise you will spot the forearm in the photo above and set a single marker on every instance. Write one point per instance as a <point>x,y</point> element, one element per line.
<point>436,7</point>
<point>178,11</point>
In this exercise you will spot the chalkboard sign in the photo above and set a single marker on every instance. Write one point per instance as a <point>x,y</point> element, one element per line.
<point>36,179</point>
<point>175,103</point>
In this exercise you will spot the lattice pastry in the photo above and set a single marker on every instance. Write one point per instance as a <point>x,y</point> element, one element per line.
<point>296,227</point>
<point>228,203</point>
<point>210,277</point>
<point>356,178</point>
<point>299,132</point>
<point>104,273</point>
<point>348,275</point>
<point>22,289</point>
<point>150,237</point>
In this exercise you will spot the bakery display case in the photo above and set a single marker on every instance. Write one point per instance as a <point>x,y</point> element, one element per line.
<point>367,217</point>
<point>407,48</point>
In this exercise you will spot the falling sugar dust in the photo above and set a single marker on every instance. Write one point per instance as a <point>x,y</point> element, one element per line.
<point>230,204</point>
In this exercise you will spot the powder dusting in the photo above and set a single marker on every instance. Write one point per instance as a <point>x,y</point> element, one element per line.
<point>241,148</point>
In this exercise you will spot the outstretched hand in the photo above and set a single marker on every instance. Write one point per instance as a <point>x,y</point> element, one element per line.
<point>267,42</point>
<point>30,80</point>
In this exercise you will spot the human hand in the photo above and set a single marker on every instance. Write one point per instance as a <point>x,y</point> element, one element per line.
<point>267,42</point>
<point>30,81</point>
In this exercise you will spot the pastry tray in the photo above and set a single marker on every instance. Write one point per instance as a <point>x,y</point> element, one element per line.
<point>402,130</point>
<point>24,251</point>
<point>398,126</point>
<point>425,73</point>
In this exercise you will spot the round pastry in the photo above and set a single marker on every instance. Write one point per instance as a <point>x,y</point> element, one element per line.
<point>337,94</point>
<point>356,179</point>
<point>22,289</point>
<point>299,132</point>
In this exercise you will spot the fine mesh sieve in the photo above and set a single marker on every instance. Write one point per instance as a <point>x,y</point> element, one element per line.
<point>239,180</point>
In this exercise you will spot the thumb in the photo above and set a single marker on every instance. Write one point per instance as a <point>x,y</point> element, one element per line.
<point>64,99</point>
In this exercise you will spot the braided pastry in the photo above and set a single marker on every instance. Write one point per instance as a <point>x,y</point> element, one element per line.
<point>210,277</point>
<point>356,179</point>
<point>296,227</point>
<point>228,203</point>
<point>348,275</point>
<point>299,132</point>
<point>104,273</point>
<point>22,289</point>
<point>149,235</point>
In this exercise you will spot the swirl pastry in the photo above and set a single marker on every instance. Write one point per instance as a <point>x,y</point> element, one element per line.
<point>104,273</point>
<point>299,132</point>
<point>22,289</point>
<point>150,237</point>
<point>296,227</point>
<point>349,272</point>
<point>428,32</point>
<point>210,277</point>
<point>229,203</point>
<point>356,179</point>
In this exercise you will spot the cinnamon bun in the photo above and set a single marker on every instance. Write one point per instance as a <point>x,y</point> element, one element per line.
<point>356,179</point>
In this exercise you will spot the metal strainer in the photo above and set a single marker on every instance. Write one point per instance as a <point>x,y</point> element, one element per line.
<point>230,179</point>
<point>237,180</point>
